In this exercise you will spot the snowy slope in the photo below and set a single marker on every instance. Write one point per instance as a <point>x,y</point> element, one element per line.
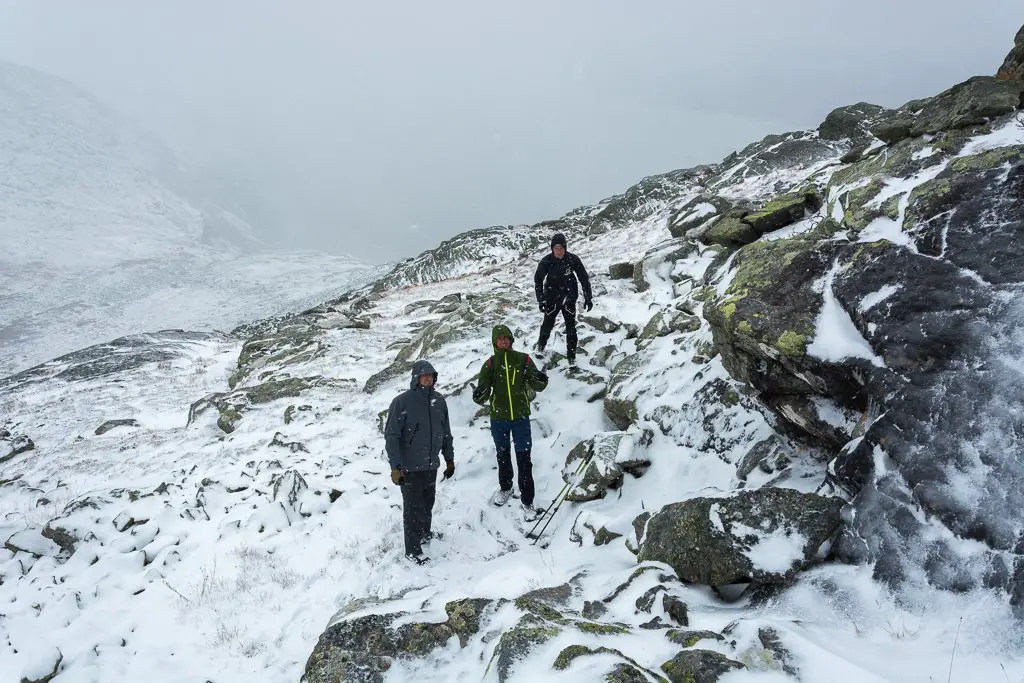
<point>241,509</point>
<point>98,245</point>
<point>201,555</point>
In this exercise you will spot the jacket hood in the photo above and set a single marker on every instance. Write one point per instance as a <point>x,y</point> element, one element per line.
<point>420,368</point>
<point>559,238</point>
<point>501,331</point>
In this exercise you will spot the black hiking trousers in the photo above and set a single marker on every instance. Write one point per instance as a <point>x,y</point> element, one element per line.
<point>568,311</point>
<point>417,508</point>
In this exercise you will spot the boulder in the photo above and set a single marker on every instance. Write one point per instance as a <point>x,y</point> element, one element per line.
<point>851,122</point>
<point>620,400</point>
<point>10,447</point>
<point>620,271</point>
<point>695,213</point>
<point>765,536</point>
<point>361,649</point>
<point>705,666</point>
<point>609,455</point>
<point>600,323</point>
<point>1013,65</point>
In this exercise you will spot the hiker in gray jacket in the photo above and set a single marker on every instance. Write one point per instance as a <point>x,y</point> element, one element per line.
<point>417,430</point>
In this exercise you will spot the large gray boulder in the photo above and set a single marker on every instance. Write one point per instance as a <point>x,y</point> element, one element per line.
<point>765,536</point>
<point>706,666</point>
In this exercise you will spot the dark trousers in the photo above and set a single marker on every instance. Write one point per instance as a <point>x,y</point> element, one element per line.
<point>568,311</point>
<point>518,432</point>
<point>417,508</point>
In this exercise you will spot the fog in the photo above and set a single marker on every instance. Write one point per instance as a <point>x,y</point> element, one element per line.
<point>379,129</point>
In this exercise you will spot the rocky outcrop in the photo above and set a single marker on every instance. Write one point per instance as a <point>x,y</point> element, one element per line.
<point>852,122</point>
<point>743,226</point>
<point>1013,66</point>
<point>279,344</point>
<point>230,406</point>
<point>973,102</point>
<point>765,536</point>
<point>598,464</point>
<point>361,649</point>
<point>921,292</point>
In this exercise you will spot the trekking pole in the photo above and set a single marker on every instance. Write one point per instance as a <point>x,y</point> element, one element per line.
<point>553,500</point>
<point>581,471</point>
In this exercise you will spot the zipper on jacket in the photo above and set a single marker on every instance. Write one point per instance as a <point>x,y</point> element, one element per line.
<point>430,422</point>
<point>508,385</point>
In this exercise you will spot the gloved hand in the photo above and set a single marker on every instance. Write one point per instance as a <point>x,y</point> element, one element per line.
<point>397,477</point>
<point>449,469</point>
<point>480,394</point>
<point>543,308</point>
<point>588,303</point>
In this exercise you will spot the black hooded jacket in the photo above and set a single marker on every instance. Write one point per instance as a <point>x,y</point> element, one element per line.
<point>418,428</point>
<point>555,280</point>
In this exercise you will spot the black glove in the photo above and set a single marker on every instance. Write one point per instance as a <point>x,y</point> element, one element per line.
<point>449,470</point>
<point>397,477</point>
<point>543,308</point>
<point>480,394</point>
<point>588,303</point>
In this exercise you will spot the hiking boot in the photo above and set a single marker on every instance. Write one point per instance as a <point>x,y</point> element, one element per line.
<point>572,361</point>
<point>531,513</point>
<point>501,497</point>
<point>419,559</point>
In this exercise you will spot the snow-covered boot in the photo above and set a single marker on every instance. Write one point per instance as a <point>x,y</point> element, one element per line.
<point>501,497</point>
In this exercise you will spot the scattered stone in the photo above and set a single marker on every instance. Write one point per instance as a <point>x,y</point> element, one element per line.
<point>112,424</point>
<point>620,271</point>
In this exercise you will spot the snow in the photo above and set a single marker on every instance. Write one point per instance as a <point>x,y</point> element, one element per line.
<point>874,298</point>
<point>1011,133</point>
<point>773,551</point>
<point>835,336</point>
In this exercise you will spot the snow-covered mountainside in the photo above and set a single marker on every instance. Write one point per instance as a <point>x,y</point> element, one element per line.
<point>97,243</point>
<point>791,448</point>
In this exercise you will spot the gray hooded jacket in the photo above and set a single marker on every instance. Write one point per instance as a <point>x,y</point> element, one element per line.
<point>418,428</point>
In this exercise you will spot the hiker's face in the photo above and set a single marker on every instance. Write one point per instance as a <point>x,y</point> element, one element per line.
<point>426,380</point>
<point>504,343</point>
<point>558,250</point>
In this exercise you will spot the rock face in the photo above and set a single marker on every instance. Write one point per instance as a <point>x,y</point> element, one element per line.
<point>765,536</point>
<point>877,333</point>
<point>1013,67</point>
<point>231,405</point>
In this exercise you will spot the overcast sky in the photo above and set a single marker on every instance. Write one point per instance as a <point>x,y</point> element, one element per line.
<point>381,128</point>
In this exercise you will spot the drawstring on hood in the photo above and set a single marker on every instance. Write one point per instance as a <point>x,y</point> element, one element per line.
<point>420,368</point>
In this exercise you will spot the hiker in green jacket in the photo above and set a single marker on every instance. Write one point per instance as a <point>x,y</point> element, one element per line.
<point>507,382</point>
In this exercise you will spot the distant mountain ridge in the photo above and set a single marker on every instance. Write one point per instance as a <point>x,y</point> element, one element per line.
<point>99,241</point>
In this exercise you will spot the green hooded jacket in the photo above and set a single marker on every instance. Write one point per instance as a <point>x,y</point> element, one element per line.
<point>506,380</point>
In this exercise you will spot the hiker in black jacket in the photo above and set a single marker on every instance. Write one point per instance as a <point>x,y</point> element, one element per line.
<point>555,282</point>
<point>417,430</point>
